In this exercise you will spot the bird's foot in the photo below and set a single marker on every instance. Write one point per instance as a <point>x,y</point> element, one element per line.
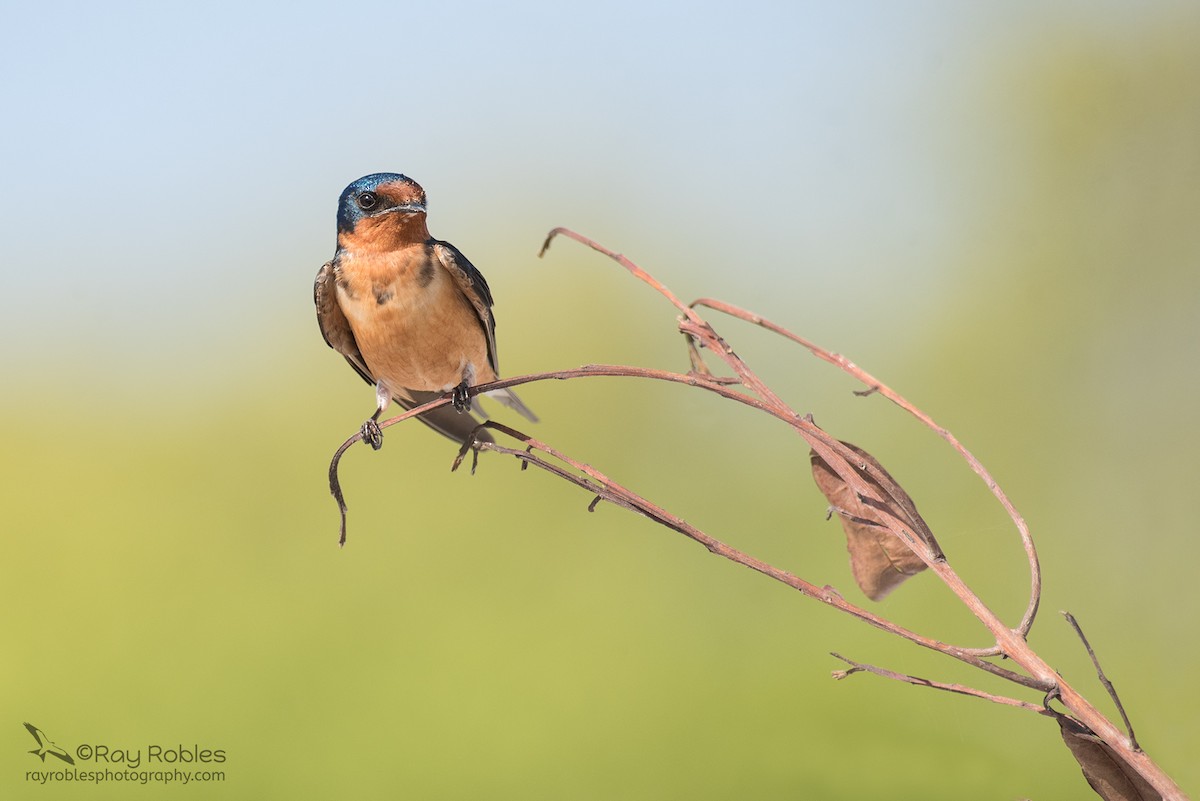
<point>372,434</point>
<point>460,398</point>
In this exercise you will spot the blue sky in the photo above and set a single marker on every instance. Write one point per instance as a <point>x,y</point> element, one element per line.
<point>172,165</point>
<point>190,143</point>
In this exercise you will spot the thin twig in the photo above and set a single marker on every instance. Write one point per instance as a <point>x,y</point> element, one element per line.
<point>1108,685</point>
<point>335,484</point>
<point>961,689</point>
<point>692,324</point>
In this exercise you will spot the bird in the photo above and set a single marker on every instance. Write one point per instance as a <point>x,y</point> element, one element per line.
<point>409,313</point>
<point>45,746</point>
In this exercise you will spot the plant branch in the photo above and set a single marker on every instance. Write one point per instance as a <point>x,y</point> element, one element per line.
<point>874,385</point>
<point>961,689</point>
<point>842,460</point>
<point>1011,642</point>
<point>873,490</point>
<point>1108,685</point>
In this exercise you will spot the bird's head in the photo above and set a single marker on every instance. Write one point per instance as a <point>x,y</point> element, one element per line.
<point>381,200</point>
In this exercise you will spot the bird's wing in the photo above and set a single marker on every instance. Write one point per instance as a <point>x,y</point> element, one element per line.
<point>335,328</point>
<point>64,756</point>
<point>37,734</point>
<point>473,286</point>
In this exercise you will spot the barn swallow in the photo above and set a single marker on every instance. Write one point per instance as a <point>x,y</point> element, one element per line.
<point>411,315</point>
<point>45,746</point>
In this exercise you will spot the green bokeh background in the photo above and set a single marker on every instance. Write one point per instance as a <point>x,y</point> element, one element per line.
<point>993,208</point>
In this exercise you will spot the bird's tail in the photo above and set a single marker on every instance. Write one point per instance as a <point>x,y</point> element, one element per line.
<point>458,427</point>
<point>509,398</point>
<point>444,419</point>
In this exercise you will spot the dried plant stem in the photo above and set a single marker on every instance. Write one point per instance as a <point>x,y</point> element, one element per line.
<point>841,459</point>
<point>961,689</point>
<point>877,493</point>
<point>876,386</point>
<point>1108,685</point>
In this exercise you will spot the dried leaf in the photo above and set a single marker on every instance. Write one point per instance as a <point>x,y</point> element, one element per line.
<point>1109,775</point>
<point>879,560</point>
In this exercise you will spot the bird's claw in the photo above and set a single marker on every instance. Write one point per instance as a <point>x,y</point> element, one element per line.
<point>460,399</point>
<point>372,434</point>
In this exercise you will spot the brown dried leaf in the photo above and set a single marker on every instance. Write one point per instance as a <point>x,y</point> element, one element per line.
<point>879,560</point>
<point>1109,775</point>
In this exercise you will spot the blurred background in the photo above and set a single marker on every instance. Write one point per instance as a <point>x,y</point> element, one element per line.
<point>992,206</point>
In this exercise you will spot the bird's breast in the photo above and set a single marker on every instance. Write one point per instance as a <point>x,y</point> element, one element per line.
<point>374,287</point>
<point>413,326</point>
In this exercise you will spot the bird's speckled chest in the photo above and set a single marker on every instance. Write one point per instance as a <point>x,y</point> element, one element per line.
<point>401,281</point>
<point>414,327</point>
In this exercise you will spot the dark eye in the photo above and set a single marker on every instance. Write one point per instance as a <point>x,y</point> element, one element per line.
<point>367,201</point>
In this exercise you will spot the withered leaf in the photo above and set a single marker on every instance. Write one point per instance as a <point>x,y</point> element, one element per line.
<point>1107,773</point>
<point>879,560</point>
